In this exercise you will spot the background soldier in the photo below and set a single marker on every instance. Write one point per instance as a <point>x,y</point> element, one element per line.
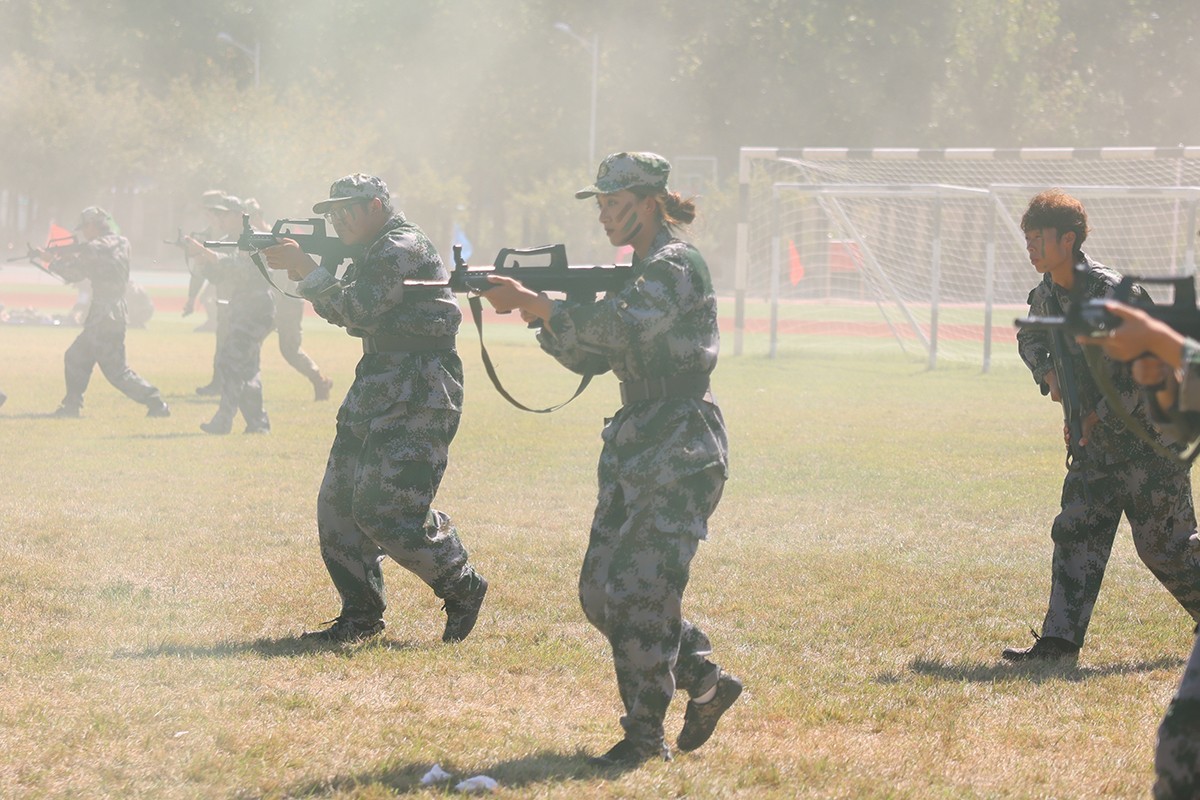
<point>251,314</point>
<point>289,319</point>
<point>1120,473</point>
<point>214,294</point>
<point>102,257</point>
<point>399,417</point>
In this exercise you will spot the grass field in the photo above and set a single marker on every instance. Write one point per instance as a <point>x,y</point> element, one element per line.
<point>884,534</point>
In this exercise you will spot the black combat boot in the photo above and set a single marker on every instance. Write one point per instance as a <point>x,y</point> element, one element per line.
<point>629,754</point>
<point>157,408</point>
<point>462,607</point>
<point>345,630</point>
<point>700,719</point>
<point>1044,648</point>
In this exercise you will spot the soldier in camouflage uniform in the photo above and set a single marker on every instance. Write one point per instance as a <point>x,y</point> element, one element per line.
<point>399,417</point>
<point>102,258</point>
<point>214,297</point>
<point>1171,375</point>
<point>289,320</point>
<point>665,456</point>
<point>251,315</point>
<point>1120,473</point>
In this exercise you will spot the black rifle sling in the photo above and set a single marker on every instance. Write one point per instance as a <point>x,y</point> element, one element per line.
<point>477,315</point>
<point>267,274</point>
<point>1068,388</point>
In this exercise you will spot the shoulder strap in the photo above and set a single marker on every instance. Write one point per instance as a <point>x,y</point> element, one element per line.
<point>477,315</point>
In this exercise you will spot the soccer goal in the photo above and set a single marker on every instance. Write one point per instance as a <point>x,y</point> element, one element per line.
<point>924,247</point>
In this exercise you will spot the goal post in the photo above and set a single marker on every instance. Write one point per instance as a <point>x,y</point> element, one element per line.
<point>924,248</point>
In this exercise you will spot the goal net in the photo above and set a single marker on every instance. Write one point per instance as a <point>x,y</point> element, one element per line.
<point>923,248</point>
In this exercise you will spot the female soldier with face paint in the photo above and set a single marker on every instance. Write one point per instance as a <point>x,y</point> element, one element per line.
<point>665,456</point>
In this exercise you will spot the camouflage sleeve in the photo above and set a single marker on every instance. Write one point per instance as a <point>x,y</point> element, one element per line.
<point>365,293</point>
<point>646,308</point>
<point>572,356</point>
<point>313,288</point>
<point>1034,345</point>
<point>72,269</point>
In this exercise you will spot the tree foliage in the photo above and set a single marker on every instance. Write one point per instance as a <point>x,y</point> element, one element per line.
<point>469,106</point>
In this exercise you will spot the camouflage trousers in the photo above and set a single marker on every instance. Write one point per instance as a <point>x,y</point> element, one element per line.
<point>238,370</point>
<point>1177,756</point>
<point>1158,504</point>
<point>289,319</point>
<point>375,501</point>
<point>631,588</point>
<point>220,334</point>
<point>103,345</point>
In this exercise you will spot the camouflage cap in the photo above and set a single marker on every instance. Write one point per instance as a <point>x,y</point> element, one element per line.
<point>94,214</point>
<point>353,187</point>
<point>627,170</point>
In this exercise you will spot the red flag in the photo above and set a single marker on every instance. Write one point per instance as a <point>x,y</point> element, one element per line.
<point>795,268</point>
<point>59,237</point>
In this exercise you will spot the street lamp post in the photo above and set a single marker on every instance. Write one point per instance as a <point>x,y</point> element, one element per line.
<point>594,48</point>
<point>251,53</point>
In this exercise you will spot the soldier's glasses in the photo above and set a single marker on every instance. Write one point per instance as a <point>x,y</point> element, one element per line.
<point>341,213</point>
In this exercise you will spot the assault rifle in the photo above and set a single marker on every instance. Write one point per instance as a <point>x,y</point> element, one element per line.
<point>579,283</point>
<point>308,233</point>
<point>1089,317</point>
<point>54,248</point>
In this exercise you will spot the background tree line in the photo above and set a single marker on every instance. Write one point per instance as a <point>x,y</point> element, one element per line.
<point>477,113</point>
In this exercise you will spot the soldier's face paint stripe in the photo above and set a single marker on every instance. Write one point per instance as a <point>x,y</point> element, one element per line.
<point>633,220</point>
<point>625,209</point>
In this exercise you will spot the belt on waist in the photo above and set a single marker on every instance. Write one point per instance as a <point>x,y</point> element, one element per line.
<point>687,385</point>
<point>406,344</point>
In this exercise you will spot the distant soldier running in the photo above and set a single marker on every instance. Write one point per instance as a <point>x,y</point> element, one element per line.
<point>102,257</point>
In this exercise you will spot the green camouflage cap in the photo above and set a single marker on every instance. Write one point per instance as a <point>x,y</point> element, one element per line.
<point>94,214</point>
<point>353,187</point>
<point>627,170</point>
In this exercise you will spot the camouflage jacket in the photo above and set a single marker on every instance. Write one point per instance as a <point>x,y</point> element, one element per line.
<point>1111,442</point>
<point>369,300</point>
<point>105,262</point>
<point>237,279</point>
<point>662,323</point>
